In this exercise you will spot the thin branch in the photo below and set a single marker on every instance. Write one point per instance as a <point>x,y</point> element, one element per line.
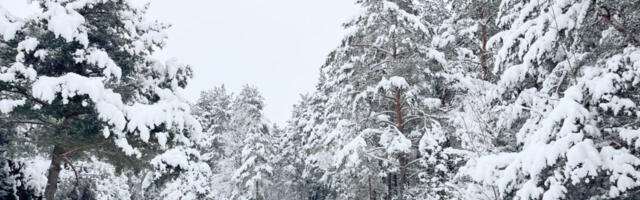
<point>436,117</point>
<point>374,149</point>
<point>412,162</point>
<point>564,49</point>
<point>26,95</point>
<point>529,109</point>
<point>373,47</point>
<point>81,149</point>
<point>75,151</point>
<point>27,122</point>
<point>389,123</point>
<point>379,158</point>
<point>389,98</point>
<point>386,112</point>
<point>38,122</point>
<point>73,168</point>
<point>380,64</point>
<point>410,119</point>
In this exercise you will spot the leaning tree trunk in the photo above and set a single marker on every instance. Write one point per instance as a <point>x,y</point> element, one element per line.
<point>54,173</point>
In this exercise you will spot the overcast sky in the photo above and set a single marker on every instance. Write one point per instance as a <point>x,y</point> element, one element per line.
<point>276,45</point>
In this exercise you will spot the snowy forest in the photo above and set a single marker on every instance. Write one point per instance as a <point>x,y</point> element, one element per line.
<point>422,99</point>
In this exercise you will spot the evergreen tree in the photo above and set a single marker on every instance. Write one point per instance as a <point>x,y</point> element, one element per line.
<point>214,112</point>
<point>568,79</point>
<point>463,36</point>
<point>423,99</point>
<point>82,72</point>
<point>253,175</point>
<point>306,150</point>
<point>379,94</point>
<point>13,183</point>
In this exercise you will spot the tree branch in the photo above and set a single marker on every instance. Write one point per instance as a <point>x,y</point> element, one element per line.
<point>373,47</point>
<point>607,17</point>
<point>27,122</point>
<point>81,149</point>
<point>22,92</point>
<point>409,120</point>
<point>72,167</point>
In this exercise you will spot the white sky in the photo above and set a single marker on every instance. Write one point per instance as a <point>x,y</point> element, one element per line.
<point>276,45</point>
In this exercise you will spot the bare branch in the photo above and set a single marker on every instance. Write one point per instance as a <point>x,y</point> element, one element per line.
<point>373,47</point>
<point>379,158</point>
<point>73,168</point>
<point>412,162</point>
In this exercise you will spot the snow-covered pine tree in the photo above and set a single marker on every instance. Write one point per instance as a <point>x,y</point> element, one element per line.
<point>82,72</point>
<point>191,178</point>
<point>13,183</point>
<point>298,168</point>
<point>469,27</point>
<point>213,110</point>
<point>359,105</point>
<point>463,36</point>
<point>408,133</point>
<point>253,175</point>
<point>305,128</point>
<point>287,163</point>
<point>569,73</point>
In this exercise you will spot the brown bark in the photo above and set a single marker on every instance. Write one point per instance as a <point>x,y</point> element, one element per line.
<point>402,157</point>
<point>65,159</point>
<point>487,74</point>
<point>399,106</point>
<point>608,18</point>
<point>54,173</point>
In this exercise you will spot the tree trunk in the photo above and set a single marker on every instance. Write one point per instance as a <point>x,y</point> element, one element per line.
<point>257,189</point>
<point>483,50</point>
<point>54,173</point>
<point>402,157</point>
<point>389,187</point>
<point>371,196</point>
<point>403,175</point>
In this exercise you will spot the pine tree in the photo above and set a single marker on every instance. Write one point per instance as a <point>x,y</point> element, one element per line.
<point>568,79</point>
<point>308,155</point>
<point>253,174</point>
<point>470,132</point>
<point>13,184</point>
<point>378,95</point>
<point>82,72</point>
<point>213,111</point>
<point>286,181</point>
